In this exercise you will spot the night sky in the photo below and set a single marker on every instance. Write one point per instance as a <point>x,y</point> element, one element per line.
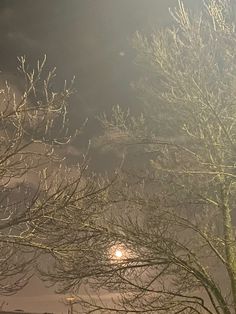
<point>90,39</point>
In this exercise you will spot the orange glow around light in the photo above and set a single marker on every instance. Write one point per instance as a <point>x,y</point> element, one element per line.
<point>118,253</point>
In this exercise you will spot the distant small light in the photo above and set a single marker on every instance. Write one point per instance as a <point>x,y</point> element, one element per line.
<point>122,54</point>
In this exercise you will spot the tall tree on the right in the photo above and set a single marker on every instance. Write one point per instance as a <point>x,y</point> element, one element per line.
<point>178,232</point>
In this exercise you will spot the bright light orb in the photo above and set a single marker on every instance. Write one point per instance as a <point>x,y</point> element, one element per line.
<point>118,253</point>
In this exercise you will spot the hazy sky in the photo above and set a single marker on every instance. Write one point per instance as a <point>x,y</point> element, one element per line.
<point>86,38</point>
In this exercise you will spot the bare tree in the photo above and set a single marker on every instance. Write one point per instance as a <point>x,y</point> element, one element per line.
<point>167,244</point>
<point>40,192</point>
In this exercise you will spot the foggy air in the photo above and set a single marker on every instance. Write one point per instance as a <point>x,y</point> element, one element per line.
<point>117,156</point>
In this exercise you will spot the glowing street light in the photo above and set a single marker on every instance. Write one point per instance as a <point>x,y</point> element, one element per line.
<point>118,253</point>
